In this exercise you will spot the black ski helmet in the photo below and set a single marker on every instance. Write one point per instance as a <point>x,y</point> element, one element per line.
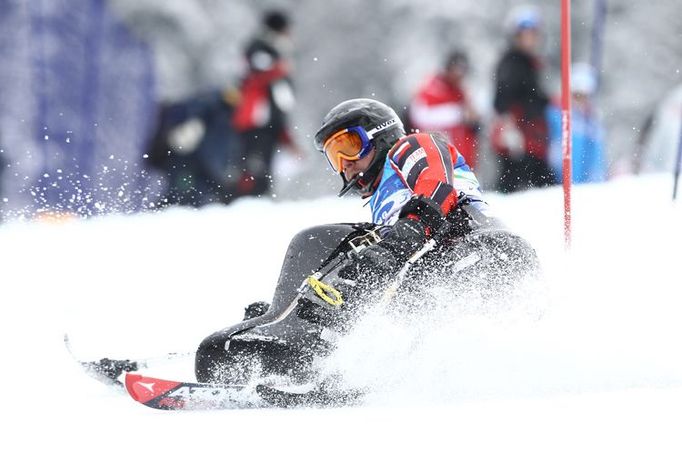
<point>368,114</point>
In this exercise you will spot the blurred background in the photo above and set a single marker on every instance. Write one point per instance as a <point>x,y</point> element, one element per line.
<point>130,105</point>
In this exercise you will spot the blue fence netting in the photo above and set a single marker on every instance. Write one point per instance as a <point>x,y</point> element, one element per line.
<point>77,108</point>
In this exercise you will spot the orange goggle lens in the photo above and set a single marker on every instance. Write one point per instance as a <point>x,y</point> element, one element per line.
<point>343,145</point>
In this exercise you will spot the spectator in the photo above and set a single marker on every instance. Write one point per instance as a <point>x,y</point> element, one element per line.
<point>520,133</point>
<point>441,104</point>
<point>192,147</point>
<point>660,144</point>
<point>587,145</point>
<point>266,98</point>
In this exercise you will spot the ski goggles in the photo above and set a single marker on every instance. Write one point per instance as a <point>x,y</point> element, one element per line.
<point>351,144</point>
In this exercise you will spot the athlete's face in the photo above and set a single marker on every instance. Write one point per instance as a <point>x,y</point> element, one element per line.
<point>351,168</point>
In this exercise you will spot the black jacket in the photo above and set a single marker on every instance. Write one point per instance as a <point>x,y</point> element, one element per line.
<point>518,86</point>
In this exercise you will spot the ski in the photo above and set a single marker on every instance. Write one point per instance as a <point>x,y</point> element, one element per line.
<point>110,371</point>
<point>107,371</point>
<point>321,396</point>
<point>172,395</point>
<point>164,394</point>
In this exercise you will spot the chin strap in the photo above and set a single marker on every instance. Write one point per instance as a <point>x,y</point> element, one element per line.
<point>350,184</point>
<point>374,170</point>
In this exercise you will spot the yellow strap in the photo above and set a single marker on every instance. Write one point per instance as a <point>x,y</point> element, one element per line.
<point>328,293</point>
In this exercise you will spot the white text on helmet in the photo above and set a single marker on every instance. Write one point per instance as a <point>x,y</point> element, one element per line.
<point>381,126</point>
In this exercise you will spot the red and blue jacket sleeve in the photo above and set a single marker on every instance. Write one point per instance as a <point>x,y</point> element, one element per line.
<point>424,162</point>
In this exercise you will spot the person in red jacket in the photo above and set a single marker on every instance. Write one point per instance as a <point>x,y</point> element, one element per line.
<point>266,97</point>
<point>441,104</point>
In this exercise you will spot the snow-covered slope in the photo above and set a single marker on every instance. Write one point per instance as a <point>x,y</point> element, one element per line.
<point>594,385</point>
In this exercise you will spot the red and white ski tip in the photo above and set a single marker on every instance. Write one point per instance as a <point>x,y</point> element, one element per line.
<point>171,395</point>
<point>152,392</point>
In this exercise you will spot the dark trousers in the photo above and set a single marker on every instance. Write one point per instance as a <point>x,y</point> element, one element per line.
<point>258,148</point>
<point>524,173</point>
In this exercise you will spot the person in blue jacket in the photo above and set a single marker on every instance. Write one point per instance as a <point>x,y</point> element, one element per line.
<point>587,145</point>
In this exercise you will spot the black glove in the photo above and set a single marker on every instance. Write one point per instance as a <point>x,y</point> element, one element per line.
<point>385,258</point>
<point>427,211</point>
<point>405,237</point>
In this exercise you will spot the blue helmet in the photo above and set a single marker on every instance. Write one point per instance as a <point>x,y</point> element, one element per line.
<point>523,17</point>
